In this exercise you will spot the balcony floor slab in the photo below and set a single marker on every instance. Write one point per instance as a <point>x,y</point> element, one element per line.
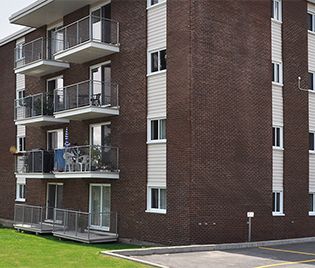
<point>41,121</point>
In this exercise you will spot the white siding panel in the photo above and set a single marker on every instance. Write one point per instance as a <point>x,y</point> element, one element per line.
<point>157,95</point>
<point>20,131</point>
<point>312,173</point>
<point>157,164</point>
<point>311,106</point>
<point>20,81</point>
<point>311,52</point>
<point>277,106</point>
<point>157,27</point>
<point>277,170</point>
<point>276,41</point>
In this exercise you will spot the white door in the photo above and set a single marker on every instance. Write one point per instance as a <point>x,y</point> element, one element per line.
<point>100,203</point>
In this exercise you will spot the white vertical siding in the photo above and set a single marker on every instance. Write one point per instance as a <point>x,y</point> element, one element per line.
<point>276,41</point>
<point>157,164</point>
<point>311,106</point>
<point>277,170</point>
<point>20,131</point>
<point>277,106</point>
<point>157,27</point>
<point>20,81</point>
<point>157,95</point>
<point>312,173</point>
<point>311,52</point>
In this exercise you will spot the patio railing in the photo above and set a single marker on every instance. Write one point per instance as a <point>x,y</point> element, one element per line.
<point>86,94</point>
<point>90,158</point>
<point>90,28</point>
<point>41,104</point>
<point>82,224</point>
<point>35,161</point>
<point>33,216</point>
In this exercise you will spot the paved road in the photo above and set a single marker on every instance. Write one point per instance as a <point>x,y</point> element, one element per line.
<point>299,255</point>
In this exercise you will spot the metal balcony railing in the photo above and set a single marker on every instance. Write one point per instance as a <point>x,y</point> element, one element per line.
<point>38,49</point>
<point>90,28</point>
<point>81,225</point>
<point>35,105</point>
<point>90,158</point>
<point>86,94</point>
<point>32,216</point>
<point>36,161</point>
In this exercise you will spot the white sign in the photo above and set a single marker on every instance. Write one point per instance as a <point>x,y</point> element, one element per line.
<point>250,214</point>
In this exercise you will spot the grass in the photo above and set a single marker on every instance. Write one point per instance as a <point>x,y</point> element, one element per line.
<point>28,250</point>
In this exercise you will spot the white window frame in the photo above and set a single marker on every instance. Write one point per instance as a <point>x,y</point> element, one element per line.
<point>313,84</point>
<point>149,140</point>
<point>96,125</point>
<point>313,21</point>
<point>312,212</point>
<point>281,137</point>
<point>18,143</point>
<point>149,61</point>
<point>280,82</point>
<point>280,212</point>
<point>59,131</point>
<point>149,5</point>
<point>149,196</point>
<point>277,16</point>
<point>18,192</point>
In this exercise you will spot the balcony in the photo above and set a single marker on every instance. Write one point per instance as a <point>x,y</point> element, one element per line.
<point>36,110</point>
<point>35,164</point>
<point>67,224</point>
<point>87,39</point>
<point>87,100</point>
<point>34,59</point>
<point>91,161</point>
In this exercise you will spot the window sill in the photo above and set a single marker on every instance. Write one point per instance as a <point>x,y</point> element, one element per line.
<point>312,91</point>
<point>276,21</point>
<point>277,214</point>
<point>311,32</point>
<point>277,148</point>
<point>277,84</point>
<point>156,73</point>
<point>20,200</point>
<point>156,211</point>
<point>156,5</point>
<point>311,152</point>
<point>157,142</point>
<point>311,213</point>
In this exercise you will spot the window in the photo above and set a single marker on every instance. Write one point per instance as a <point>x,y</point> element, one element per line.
<point>154,2</point>
<point>312,204</point>
<point>21,144</point>
<point>277,137</point>
<point>156,199</point>
<point>311,141</point>
<point>157,61</point>
<point>55,139</point>
<point>157,130</point>
<point>20,192</point>
<point>19,52</point>
<point>311,22</point>
<point>100,134</point>
<point>277,10</point>
<point>277,73</point>
<point>311,81</point>
<point>277,203</point>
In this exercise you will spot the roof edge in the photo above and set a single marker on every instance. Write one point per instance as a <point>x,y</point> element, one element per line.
<point>16,35</point>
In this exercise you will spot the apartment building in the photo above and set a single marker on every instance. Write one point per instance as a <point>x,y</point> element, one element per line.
<point>159,121</point>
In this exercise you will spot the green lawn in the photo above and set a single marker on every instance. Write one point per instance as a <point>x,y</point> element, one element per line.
<point>27,250</point>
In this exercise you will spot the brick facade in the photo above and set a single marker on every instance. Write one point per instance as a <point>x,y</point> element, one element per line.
<point>219,121</point>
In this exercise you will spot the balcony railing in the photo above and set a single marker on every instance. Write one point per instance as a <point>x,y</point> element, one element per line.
<point>33,106</point>
<point>81,225</point>
<point>90,158</point>
<point>36,161</point>
<point>90,28</point>
<point>86,94</point>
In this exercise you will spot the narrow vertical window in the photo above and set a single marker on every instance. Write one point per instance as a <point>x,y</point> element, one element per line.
<point>311,202</point>
<point>277,10</point>
<point>310,22</point>
<point>311,141</point>
<point>277,137</point>
<point>157,130</point>
<point>157,202</point>
<point>157,61</point>
<point>277,203</point>
<point>277,73</point>
<point>311,81</point>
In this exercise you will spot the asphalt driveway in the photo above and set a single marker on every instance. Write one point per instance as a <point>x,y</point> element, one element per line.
<point>298,255</point>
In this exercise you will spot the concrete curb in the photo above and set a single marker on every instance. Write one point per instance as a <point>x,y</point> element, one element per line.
<point>211,247</point>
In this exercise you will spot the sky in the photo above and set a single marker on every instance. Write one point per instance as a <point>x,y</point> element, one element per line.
<point>8,7</point>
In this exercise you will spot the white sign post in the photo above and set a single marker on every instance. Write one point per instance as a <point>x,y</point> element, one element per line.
<point>250,215</point>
